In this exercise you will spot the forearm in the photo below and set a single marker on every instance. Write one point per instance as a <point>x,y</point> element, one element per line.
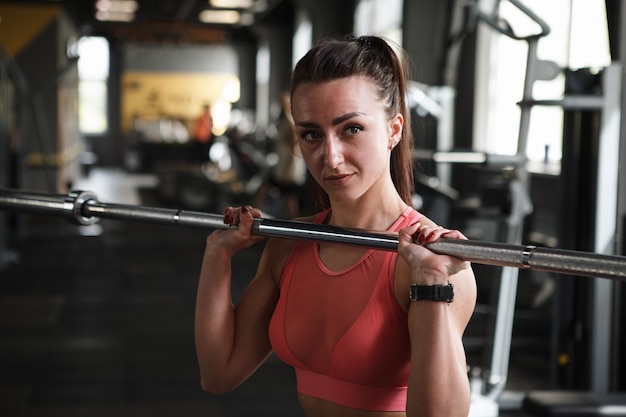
<point>215,319</point>
<point>438,384</point>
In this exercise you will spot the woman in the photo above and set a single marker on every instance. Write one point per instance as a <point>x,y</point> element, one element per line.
<point>358,325</point>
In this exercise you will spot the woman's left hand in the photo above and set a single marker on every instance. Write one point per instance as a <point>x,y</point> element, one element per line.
<point>428,267</point>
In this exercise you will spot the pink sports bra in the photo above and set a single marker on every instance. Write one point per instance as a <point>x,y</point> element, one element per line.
<point>343,331</point>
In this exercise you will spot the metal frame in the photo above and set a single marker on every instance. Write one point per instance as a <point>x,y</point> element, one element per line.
<point>606,225</point>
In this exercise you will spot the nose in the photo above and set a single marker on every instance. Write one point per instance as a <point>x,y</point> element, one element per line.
<point>333,149</point>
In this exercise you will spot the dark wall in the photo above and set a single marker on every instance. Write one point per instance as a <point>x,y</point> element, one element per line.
<point>425,31</point>
<point>49,77</point>
<point>246,53</point>
<point>38,64</point>
<point>329,17</point>
<point>277,31</point>
<point>428,30</point>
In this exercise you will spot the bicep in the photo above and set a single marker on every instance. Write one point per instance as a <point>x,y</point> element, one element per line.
<point>254,311</point>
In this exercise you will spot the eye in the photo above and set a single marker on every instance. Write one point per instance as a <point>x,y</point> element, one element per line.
<point>309,135</point>
<point>353,130</point>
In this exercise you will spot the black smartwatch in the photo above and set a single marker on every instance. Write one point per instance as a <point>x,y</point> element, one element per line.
<point>432,292</point>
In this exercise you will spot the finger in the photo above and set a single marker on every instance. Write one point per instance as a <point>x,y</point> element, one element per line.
<point>255,212</point>
<point>245,219</point>
<point>427,234</point>
<point>454,234</point>
<point>228,215</point>
<point>434,234</point>
<point>410,233</point>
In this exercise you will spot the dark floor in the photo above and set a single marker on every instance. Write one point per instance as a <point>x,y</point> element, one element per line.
<point>102,325</point>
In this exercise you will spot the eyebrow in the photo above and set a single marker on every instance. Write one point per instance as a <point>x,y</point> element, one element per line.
<point>335,122</point>
<point>345,117</point>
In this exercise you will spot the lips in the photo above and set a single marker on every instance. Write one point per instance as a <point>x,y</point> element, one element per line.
<point>337,180</point>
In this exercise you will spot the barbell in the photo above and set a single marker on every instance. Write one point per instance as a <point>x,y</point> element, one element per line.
<point>84,208</point>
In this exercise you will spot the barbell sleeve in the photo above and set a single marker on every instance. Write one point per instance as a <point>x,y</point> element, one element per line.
<point>83,208</point>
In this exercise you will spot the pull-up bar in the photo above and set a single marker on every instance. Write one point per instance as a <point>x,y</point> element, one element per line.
<point>83,208</point>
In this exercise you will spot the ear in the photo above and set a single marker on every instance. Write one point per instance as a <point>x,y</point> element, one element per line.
<point>395,130</point>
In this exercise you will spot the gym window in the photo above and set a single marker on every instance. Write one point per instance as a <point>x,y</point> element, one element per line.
<point>580,40</point>
<point>93,73</point>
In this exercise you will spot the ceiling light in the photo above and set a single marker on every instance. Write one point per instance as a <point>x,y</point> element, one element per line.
<point>114,16</point>
<point>115,6</point>
<point>231,4</point>
<point>219,16</point>
<point>116,10</point>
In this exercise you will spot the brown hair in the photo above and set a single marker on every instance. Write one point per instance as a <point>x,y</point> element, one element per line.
<point>371,57</point>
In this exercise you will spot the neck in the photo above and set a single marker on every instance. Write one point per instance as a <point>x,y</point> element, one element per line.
<point>368,213</point>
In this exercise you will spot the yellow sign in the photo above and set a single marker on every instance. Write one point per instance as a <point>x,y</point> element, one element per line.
<point>155,95</point>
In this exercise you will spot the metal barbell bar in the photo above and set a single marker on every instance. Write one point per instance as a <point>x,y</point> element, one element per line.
<point>83,208</point>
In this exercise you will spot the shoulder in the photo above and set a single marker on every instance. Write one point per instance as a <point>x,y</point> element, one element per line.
<point>465,293</point>
<point>277,251</point>
<point>275,255</point>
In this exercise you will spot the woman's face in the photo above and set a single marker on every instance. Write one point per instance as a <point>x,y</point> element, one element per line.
<point>345,135</point>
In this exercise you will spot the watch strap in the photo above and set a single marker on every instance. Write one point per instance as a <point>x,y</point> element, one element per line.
<point>432,292</point>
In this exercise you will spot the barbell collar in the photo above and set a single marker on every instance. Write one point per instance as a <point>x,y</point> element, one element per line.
<point>75,205</point>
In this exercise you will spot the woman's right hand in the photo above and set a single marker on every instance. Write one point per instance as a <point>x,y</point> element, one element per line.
<point>235,239</point>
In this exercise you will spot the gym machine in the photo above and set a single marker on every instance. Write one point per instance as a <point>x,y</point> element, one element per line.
<point>601,221</point>
<point>591,157</point>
